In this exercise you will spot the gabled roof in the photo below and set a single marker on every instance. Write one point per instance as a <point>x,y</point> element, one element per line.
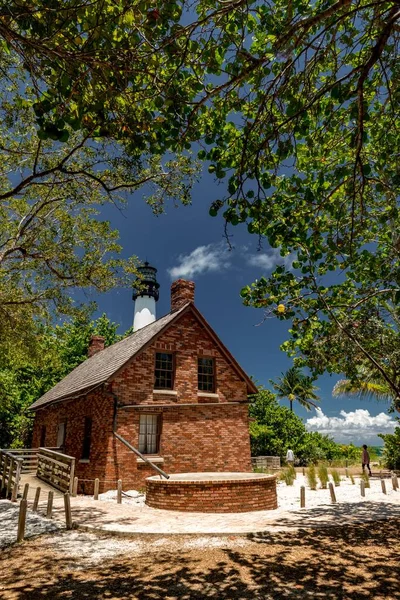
<point>102,366</point>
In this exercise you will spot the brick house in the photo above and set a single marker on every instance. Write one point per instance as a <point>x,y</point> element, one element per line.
<point>171,389</point>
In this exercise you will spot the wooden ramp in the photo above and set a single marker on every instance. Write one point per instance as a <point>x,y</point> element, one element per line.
<point>34,483</point>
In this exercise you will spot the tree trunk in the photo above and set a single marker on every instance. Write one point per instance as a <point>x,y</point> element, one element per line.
<point>291,405</point>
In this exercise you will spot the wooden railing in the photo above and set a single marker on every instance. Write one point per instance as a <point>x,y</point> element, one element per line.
<point>10,473</point>
<point>56,469</point>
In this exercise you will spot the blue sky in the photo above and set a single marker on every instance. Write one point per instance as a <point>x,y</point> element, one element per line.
<point>186,242</point>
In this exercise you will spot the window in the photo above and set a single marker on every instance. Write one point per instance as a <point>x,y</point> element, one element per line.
<point>42,436</point>
<point>164,372</point>
<point>61,434</point>
<point>205,374</point>
<point>87,437</point>
<point>149,434</point>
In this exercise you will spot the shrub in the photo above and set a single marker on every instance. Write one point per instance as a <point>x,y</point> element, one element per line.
<point>288,475</point>
<point>311,477</point>
<point>293,471</point>
<point>391,451</point>
<point>323,476</point>
<point>336,477</point>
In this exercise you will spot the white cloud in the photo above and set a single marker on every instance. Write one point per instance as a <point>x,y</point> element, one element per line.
<point>351,426</point>
<point>213,257</point>
<point>270,260</point>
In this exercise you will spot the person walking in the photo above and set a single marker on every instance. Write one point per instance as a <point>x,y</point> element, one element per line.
<point>365,459</point>
<point>290,457</point>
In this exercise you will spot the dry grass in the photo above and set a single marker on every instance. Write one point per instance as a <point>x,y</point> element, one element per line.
<point>358,562</point>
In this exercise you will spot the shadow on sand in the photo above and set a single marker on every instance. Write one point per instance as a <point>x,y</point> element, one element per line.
<point>352,562</point>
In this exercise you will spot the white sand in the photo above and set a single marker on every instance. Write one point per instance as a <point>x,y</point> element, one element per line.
<point>288,508</point>
<point>35,523</point>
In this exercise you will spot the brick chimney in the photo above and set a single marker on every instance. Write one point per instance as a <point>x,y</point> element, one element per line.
<point>96,344</point>
<point>182,291</point>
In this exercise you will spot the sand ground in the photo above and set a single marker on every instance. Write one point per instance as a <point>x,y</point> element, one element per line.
<point>353,562</point>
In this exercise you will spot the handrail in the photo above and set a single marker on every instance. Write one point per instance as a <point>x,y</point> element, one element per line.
<point>136,451</point>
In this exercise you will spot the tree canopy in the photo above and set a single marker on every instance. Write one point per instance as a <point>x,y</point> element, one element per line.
<point>24,377</point>
<point>274,429</point>
<point>293,103</point>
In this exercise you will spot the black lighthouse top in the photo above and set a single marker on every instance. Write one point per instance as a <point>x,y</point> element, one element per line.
<point>147,282</point>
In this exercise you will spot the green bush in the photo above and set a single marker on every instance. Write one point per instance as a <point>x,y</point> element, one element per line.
<point>323,476</point>
<point>391,451</point>
<point>312,477</point>
<point>288,475</point>
<point>336,477</point>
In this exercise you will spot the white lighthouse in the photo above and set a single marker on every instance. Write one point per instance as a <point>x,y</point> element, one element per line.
<point>145,296</point>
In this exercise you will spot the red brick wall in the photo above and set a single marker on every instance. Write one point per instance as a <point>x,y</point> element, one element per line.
<point>193,439</point>
<point>100,407</point>
<point>213,496</point>
<point>202,437</point>
<point>187,339</point>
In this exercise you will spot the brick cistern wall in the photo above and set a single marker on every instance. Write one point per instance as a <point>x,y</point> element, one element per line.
<point>216,496</point>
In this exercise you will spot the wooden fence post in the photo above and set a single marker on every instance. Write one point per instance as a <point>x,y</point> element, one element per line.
<point>68,514</point>
<point>72,475</point>
<point>14,492</point>
<point>49,511</point>
<point>26,490</point>
<point>119,491</point>
<point>96,488</point>
<point>304,472</point>
<point>396,481</point>
<point>302,496</point>
<point>4,474</point>
<point>36,500</point>
<point>21,520</point>
<point>75,487</point>
<point>332,491</point>
<point>10,476</point>
<point>362,487</point>
<point>383,484</point>
<point>347,472</point>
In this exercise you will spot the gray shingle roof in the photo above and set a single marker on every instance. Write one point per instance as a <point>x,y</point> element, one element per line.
<point>101,366</point>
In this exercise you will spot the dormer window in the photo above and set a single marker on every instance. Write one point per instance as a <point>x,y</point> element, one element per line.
<point>164,371</point>
<point>206,375</point>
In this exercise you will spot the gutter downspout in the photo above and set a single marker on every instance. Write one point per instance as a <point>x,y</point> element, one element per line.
<point>128,445</point>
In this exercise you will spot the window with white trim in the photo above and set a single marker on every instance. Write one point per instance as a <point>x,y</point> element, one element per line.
<point>164,371</point>
<point>205,374</point>
<point>149,433</point>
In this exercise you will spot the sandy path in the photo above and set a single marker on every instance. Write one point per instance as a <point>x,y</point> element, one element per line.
<point>355,562</point>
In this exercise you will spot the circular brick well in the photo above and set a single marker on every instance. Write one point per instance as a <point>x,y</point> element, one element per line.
<point>213,492</point>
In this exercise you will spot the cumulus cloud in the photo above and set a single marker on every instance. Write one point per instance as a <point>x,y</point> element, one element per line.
<point>351,426</point>
<point>270,260</point>
<point>203,259</point>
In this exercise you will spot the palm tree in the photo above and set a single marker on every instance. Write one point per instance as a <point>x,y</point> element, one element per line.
<point>367,385</point>
<point>295,386</point>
